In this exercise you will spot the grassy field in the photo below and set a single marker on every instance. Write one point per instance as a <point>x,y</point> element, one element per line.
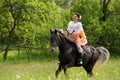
<point>43,67</point>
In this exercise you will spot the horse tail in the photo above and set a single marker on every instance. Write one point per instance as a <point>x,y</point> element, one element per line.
<point>104,56</point>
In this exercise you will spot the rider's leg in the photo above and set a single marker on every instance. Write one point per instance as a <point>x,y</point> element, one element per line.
<point>80,50</point>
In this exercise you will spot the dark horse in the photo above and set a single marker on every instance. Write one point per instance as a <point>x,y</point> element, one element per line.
<point>69,56</point>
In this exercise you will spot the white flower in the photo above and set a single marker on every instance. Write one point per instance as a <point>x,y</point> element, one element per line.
<point>49,78</point>
<point>70,79</point>
<point>77,78</point>
<point>96,73</point>
<point>18,76</point>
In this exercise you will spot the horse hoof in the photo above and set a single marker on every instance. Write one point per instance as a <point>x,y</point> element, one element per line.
<point>90,75</point>
<point>56,74</point>
<point>66,75</point>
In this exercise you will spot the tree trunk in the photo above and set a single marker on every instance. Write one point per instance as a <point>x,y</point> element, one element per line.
<point>11,33</point>
<point>9,39</point>
<point>53,1</point>
<point>68,4</point>
<point>104,9</point>
<point>6,51</point>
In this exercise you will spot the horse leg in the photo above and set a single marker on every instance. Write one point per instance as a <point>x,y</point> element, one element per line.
<point>65,71</point>
<point>58,70</point>
<point>67,66</point>
<point>88,69</point>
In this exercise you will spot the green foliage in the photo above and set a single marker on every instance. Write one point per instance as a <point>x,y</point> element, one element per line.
<point>90,12</point>
<point>35,18</point>
<point>99,33</point>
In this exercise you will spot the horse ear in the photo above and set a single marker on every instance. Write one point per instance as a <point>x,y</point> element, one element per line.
<point>51,31</point>
<point>55,31</point>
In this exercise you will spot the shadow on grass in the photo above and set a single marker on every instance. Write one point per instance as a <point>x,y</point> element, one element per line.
<point>115,55</point>
<point>35,57</point>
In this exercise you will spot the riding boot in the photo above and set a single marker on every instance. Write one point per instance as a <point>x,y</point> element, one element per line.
<point>80,58</point>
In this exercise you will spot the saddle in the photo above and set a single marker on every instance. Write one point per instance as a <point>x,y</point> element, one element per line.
<point>86,50</point>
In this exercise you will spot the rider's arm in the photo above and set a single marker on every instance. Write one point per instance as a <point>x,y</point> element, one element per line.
<point>69,30</point>
<point>79,31</point>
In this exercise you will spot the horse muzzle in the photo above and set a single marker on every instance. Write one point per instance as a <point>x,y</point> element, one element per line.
<point>52,49</point>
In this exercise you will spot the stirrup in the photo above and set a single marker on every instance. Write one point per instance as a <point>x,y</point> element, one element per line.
<point>80,61</point>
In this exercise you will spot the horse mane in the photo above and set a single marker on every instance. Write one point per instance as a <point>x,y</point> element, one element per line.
<point>66,38</point>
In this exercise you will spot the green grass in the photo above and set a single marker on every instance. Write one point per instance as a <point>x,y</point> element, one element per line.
<point>43,66</point>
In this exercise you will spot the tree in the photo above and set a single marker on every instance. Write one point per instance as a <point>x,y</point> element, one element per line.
<point>65,4</point>
<point>11,10</point>
<point>101,21</point>
<point>90,12</point>
<point>104,4</point>
<point>22,18</point>
<point>14,14</point>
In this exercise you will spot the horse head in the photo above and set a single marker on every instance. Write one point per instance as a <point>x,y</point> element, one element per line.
<point>54,39</point>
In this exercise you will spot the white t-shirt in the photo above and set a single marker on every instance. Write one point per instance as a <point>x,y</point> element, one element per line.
<point>74,27</point>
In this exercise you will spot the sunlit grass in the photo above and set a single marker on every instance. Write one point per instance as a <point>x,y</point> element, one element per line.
<point>43,67</point>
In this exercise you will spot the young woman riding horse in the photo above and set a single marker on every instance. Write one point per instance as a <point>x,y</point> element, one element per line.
<point>76,34</point>
<point>69,54</point>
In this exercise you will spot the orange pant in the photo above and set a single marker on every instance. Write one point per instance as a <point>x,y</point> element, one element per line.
<point>77,40</point>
